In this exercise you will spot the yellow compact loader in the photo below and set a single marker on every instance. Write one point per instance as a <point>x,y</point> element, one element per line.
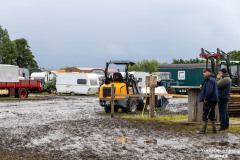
<point>123,87</point>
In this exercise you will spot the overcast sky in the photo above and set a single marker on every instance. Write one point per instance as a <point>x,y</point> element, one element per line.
<point>87,33</point>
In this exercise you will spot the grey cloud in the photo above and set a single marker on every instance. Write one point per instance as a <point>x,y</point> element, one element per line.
<point>86,33</point>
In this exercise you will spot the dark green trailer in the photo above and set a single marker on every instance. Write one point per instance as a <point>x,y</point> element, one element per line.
<point>185,74</point>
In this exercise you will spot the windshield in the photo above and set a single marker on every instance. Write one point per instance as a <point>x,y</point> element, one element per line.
<point>233,68</point>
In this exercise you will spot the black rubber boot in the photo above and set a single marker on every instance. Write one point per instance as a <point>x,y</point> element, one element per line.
<point>214,127</point>
<point>203,128</point>
<point>221,129</point>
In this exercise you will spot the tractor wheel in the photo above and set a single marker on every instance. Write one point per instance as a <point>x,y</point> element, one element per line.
<point>72,94</point>
<point>51,90</point>
<point>171,91</point>
<point>22,93</point>
<point>107,109</point>
<point>132,105</point>
<point>116,108</point>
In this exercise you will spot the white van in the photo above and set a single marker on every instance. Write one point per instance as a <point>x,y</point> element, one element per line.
<point>77,83</point>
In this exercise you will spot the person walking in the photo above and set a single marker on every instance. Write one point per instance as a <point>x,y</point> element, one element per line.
<point>209,97</point>
<point>224,87</point>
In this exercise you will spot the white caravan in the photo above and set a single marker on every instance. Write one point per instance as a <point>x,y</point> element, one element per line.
<point>141,77</point>
<point>77,83</point>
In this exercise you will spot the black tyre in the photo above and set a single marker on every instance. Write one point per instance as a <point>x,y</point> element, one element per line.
<point>72,94</point>
<point>51,90</point>
<point>132,105</point>
<point>171,91</point>
<point>116,108</point>
<point>22,93</point>
<point>107,109</point>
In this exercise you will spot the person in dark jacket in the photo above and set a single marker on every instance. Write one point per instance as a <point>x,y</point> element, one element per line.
<point>209,97</point>
<point>224,87</point>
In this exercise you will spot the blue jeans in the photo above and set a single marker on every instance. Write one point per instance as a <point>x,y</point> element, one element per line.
<point>224,118</point>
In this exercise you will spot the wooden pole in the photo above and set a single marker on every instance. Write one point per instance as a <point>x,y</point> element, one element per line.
<point>152,97</point>
<point>112,100</point>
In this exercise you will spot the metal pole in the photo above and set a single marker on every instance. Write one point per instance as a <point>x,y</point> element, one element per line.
<point>112,100</point>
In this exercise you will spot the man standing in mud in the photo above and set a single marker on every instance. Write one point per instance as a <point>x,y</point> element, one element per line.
<point>224,88</point>
<point>209,97</point>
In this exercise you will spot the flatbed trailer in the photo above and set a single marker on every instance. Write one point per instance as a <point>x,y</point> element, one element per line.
<point>19,89</point>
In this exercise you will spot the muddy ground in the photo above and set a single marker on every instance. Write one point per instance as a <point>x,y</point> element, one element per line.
<point>76,128</point>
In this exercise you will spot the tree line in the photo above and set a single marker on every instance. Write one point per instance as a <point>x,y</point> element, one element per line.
<point>152,65</point>
<point>15,52</point>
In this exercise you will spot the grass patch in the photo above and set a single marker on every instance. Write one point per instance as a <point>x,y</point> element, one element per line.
<point>11,155</point>
<point>234,118</point>
<point>167,119</point>
<point>168,123</point>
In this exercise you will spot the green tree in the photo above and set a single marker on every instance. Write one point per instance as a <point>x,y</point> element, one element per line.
<point>15,52</point>
<point>145,66</point>
<point>190,61</point>
<point>234,55</point>
<point>25,58</point>
<point>8,50</point>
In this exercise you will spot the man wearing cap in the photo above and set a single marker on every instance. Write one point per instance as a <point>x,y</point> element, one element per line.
<point>224,87</point>
<point>209,97</point>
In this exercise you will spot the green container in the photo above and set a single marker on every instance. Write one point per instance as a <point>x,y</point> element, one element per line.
<point>185,74</point>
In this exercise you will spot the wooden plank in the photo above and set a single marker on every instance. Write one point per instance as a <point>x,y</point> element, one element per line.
<point>192,106</point>
<point>198,87</point>
<point>195,108</point>
<point>186,87</point>
<point>172,95</point>
<point>157,94</point>
<point>235,95</point>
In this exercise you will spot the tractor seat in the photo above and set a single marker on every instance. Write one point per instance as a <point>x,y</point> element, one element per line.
<point>117,77</point>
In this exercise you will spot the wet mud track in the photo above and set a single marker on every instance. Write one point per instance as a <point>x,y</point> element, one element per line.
<point>73,128</point>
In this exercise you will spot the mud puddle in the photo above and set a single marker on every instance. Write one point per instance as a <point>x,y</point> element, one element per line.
<point>150,141</point>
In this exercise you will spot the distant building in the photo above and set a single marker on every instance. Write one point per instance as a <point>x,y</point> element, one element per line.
<point>99,71</point>
<point>185,74</point>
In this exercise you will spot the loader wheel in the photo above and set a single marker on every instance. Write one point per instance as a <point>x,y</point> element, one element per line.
<point>72,94</point>
<point>107,109</point>
<point>132,105</point>
<point>22,93</point>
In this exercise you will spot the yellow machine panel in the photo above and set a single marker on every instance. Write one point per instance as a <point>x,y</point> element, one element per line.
<point>120,88</point>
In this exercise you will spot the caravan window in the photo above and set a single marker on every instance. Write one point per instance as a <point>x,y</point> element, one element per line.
<point>81,81</point>
<point>93,82</point>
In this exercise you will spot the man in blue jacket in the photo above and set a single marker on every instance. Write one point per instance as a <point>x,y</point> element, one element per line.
<point>209,97</point>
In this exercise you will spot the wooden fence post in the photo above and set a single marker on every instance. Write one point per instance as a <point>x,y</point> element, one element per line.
<point>112,100</point>
<point>152,96</point>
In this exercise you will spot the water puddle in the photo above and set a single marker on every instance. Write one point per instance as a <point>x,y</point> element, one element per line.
<point>159,142</point>
<point>149,141</point>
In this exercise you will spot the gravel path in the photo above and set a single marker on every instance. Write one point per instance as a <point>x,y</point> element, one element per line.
<point>72,128</point>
